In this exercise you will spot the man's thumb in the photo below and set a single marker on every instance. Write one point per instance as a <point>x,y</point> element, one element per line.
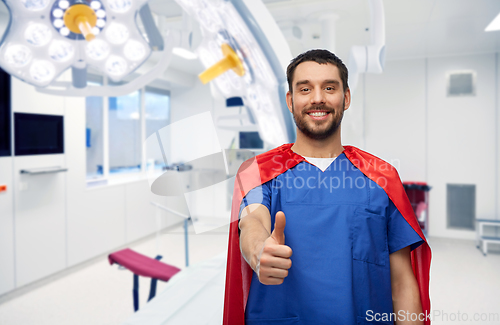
<point>279,228</point>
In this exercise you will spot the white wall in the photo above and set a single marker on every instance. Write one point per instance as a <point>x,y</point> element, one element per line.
<point>395,115</point>
<point>430,137</point>
<point>462,137</point>
<point>353,124</point>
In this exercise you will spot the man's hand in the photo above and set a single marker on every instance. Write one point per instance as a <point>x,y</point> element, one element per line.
<point>274,261</point>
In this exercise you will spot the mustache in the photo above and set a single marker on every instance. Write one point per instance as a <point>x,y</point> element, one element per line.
<point>319,108</point>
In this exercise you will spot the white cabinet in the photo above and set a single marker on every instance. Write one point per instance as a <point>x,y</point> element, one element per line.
<point>40,218</point>
<point>7,278</point>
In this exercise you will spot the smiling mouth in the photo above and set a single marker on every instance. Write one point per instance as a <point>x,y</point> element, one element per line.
<point>318,114</point>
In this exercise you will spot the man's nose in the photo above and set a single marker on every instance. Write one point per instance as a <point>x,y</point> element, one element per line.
<point>317,96</point>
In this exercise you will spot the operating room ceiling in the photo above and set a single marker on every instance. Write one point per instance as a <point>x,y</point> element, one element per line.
<point>414,28</point>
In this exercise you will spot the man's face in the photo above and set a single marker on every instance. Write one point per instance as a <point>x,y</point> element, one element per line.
<point>318,101</point>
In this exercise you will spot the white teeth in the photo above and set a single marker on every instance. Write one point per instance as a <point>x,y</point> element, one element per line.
<point>318,114</point>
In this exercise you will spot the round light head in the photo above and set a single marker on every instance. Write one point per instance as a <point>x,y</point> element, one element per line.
<point>35,5</point>
<point>116,66</point>
<point>134,50</point>
<point>97,49</point>
<point>18,55</point>
<point>61,51</point>
<point>117,33</point>
<point>38,34</point>
<point>120,6</point>
<point>42,71</point>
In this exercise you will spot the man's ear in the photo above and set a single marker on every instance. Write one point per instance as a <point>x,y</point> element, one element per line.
<point>289,101</point>
<point>347,98</point>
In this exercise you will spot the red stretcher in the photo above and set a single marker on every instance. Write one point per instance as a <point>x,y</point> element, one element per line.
<point>142,265</point>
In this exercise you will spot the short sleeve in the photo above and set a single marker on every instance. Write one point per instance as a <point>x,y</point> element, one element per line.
<point>399,232</point>
<point>260,194</point>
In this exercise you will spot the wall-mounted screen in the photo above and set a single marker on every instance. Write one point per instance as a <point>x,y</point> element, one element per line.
<point>5,129</point>
<point>37,134</point>
<point>251,140</point>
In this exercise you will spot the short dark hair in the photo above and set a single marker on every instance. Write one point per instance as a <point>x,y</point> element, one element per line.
<point>319,56</point>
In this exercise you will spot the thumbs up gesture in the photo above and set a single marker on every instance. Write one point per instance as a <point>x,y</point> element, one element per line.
<point>274,259</point>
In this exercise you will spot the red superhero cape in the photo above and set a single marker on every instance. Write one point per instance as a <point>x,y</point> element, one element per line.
<point>269,165</point>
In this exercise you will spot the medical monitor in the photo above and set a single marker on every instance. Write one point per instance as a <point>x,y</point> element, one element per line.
<point>38,134</point>
<point>251,140</point>
<point>5,125</point>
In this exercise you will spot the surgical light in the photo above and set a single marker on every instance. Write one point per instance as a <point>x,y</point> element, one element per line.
<point>494,25</point>
<point>245,55</point>
<point>47,37</point>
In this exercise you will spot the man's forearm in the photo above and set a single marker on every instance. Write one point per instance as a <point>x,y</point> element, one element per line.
<point>253,235</point>
<point>405,293</point>
<point>407,305</point>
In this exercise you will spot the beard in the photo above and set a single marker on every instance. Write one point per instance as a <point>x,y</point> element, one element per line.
<point>316,130</point>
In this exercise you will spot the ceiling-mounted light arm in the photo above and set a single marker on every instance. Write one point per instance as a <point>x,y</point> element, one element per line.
<point>79,77</point>
<point>369,58</point>
<point>66,88</point>
<point>377,22</point>
<point>154,36</point>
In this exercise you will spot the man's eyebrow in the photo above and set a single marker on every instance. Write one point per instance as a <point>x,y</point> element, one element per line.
<point>301,82</point>
<point>332,81</point>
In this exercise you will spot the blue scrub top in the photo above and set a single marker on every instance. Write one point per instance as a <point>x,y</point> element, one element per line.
<point>342,227</point>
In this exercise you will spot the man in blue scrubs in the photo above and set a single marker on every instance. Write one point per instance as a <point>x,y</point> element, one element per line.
<point>326,243</point>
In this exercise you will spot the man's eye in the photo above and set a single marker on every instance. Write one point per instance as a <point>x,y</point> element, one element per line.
<point>305,89</point>
<point>329,88</point>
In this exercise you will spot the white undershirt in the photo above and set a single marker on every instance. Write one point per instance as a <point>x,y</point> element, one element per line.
<point>321,163</point>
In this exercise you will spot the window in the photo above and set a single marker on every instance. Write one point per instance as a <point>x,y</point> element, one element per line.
<point>125,133</point>
<point>94,134</point>
<point>117,128</point>
<point>157,103</point>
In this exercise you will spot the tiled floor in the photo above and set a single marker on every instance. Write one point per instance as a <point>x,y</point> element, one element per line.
<point>102,294</point>
<point>464,284</point>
